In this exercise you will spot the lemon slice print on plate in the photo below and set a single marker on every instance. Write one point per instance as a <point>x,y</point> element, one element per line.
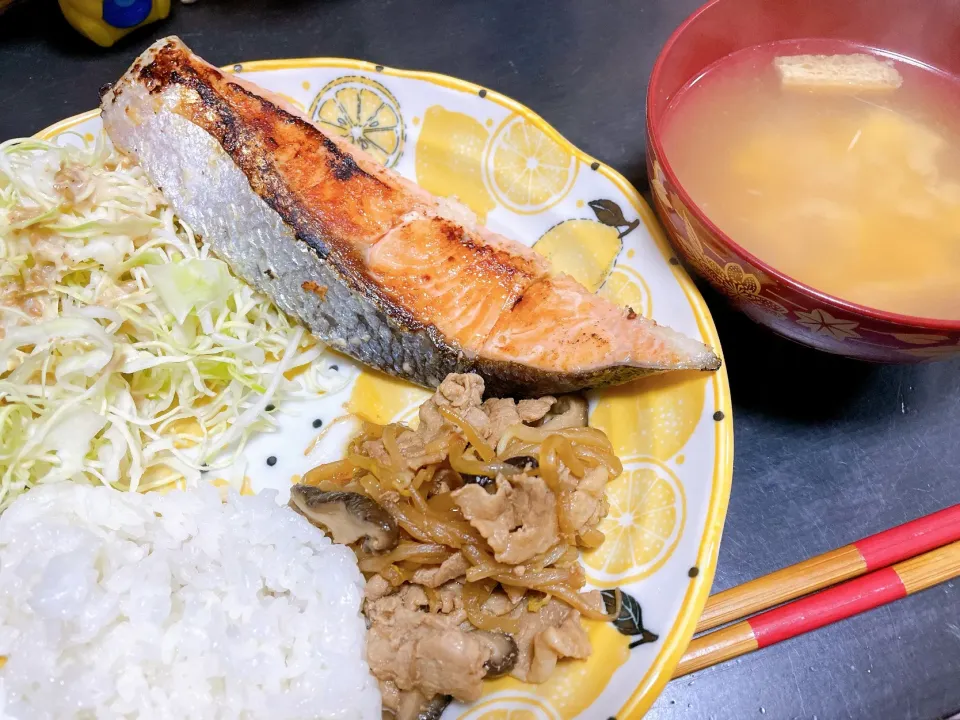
<point>364,112</point>
<point>513,714</point>
<point>654,416</point>
<point>512,706</point>
<point>513,709</point>
<point>645,522</point>
<point>625,287</point>
<point>449,159</point>
<point>583,249</point>
<point>570,690</point>
<point>527,170</point>
<point>383,399</point>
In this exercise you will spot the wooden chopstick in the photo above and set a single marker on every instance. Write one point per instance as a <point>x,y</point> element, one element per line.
<point>871,553</point>
<point>828,606</point>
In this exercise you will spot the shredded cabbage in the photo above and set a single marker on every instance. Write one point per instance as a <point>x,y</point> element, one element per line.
<point>128,355</point>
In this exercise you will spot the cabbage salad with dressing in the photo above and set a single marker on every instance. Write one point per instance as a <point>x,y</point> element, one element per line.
<point>129,356</point>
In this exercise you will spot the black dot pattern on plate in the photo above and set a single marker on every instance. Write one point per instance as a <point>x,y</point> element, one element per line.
<point>272,460</point>
<point>379,68</point>
<point>317,423</point>
<point>238,67</point>
<point>693,572</point>
<point>718,415</point>
<point>335,368</point>
<point>483,93</point>
<point>594,166</point>
<point>270,408</point>
<point>674,261</point>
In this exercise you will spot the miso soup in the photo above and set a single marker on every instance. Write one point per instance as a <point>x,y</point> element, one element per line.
<point>856,194</point>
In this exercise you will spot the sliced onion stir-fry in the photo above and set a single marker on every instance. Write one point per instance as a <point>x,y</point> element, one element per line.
<point>470,433</point>
<point>419,553</point>
<point>424,492</point>
<point>475,595</point>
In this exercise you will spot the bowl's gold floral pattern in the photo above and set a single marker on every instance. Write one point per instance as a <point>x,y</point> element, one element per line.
<point>802,315</point>
<point>920,338</point>
<point>820,321</point>
<point>730,279</point>
<point>940,352</point>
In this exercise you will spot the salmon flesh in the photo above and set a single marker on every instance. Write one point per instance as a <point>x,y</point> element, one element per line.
<point>372,264</point>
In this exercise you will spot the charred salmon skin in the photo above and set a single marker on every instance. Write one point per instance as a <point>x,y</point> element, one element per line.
<point>371,263</point>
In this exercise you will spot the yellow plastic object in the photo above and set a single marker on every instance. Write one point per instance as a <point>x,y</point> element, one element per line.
<point>106,21</point>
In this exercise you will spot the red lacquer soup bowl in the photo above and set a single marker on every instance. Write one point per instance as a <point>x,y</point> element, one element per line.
<point>927,31</point>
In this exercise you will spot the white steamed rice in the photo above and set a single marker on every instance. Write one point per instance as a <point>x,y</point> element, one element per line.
<point>121,605</point>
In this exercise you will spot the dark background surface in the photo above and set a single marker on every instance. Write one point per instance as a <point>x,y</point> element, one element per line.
<point>827,450</point>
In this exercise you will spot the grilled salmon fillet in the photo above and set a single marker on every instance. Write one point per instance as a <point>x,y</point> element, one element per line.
<point>371,263</point>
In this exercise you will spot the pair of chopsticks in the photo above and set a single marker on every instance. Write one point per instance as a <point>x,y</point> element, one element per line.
<point>887,566</point>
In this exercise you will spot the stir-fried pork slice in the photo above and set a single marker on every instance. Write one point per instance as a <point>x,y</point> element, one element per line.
<point>501,414</point>
<point>505,412</point>
<point>460,391</point>
<point>376,588</point>
<point>413,449</point>
<point>584,500</point>
<point>424,651</point>
<point>518,521</point>
<point>503,603</point>
<point>451,601</point>
<point>446,599</point>
<point>462,394</point>
<point>450,569</point>
<point>418,655</point>
<point>546,636</point>
<point>390,696</point>
<point>569,640</point>
<point>533,410</point>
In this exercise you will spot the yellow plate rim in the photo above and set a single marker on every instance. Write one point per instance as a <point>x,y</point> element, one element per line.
<point>660,671</point>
